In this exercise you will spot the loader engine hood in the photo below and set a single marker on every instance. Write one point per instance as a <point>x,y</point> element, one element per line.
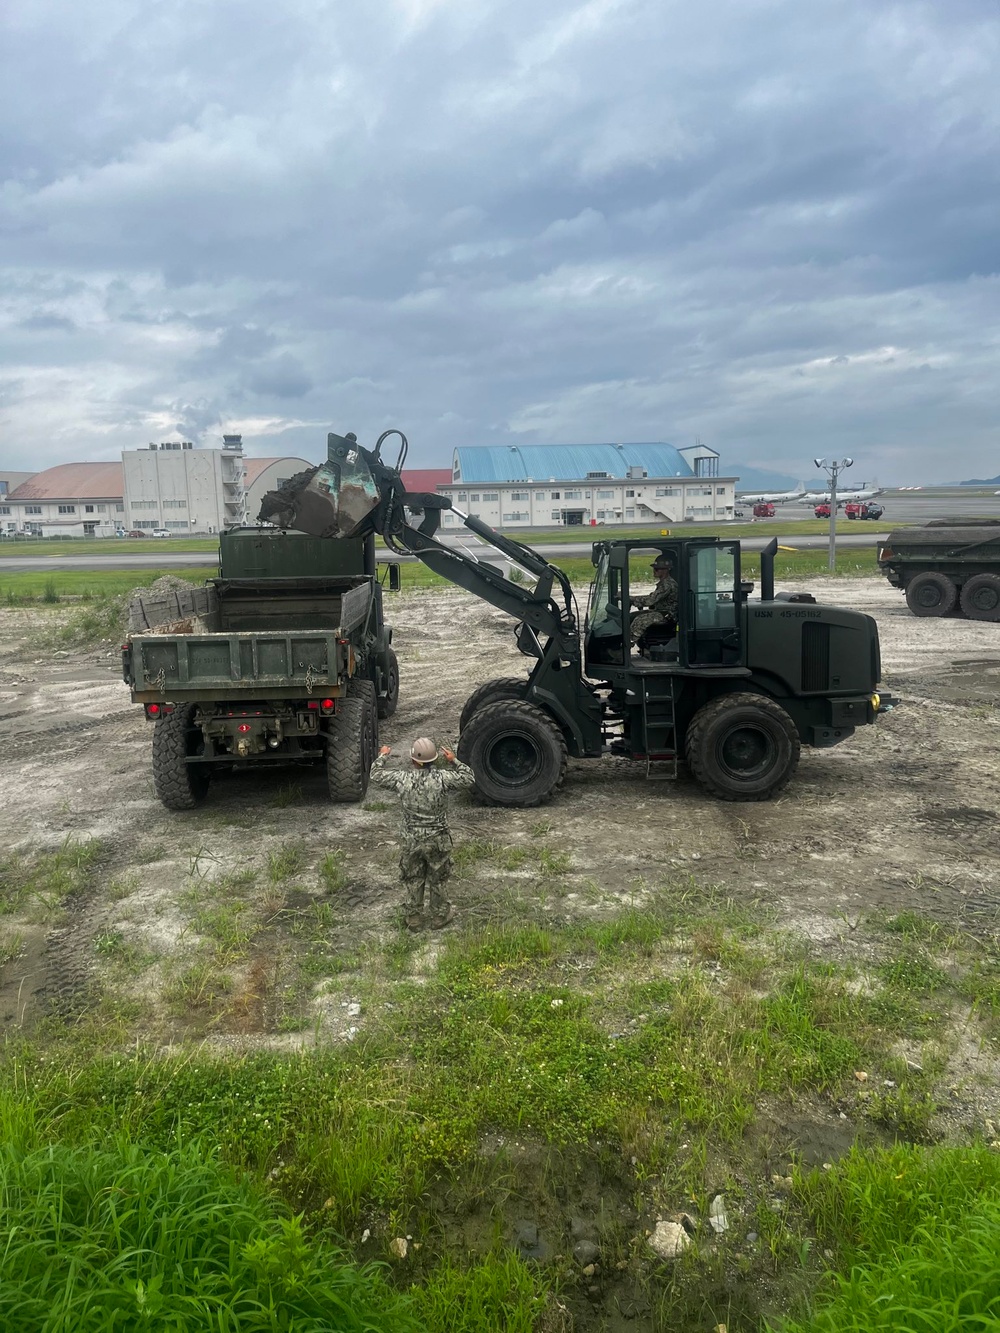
<point>337,499</point>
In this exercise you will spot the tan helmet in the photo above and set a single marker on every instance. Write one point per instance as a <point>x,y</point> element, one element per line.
<point>423,751</point>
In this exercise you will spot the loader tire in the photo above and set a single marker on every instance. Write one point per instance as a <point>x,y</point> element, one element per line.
<point>742,747</point>
<point>348,751</point>
<point>981,597</point>
<point>516,752</point>
<point>387,703</point>
<point>178,784</point>
<point>931,594</point>
<point>506,687</point>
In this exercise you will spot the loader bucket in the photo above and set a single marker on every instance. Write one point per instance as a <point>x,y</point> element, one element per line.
<point>332,500</point>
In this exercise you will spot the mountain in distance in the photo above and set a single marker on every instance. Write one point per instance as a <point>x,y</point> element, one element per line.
<point>757,478</point>
<point>981,481</point>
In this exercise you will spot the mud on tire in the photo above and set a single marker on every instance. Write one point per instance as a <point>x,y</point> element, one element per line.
<point>387,703</point>
<point>505,687</point>
<point>742,747</point>
<point>363,688</point>
<point>348,751</point>
<point>516,751</point>
<point>178,784</point>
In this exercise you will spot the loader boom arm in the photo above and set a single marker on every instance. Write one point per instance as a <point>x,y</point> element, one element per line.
<point>355,493</point>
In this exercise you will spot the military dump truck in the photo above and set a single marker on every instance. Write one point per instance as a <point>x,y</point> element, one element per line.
<point>285,657</point>
<point>732,685</point>
<point>946,566</point>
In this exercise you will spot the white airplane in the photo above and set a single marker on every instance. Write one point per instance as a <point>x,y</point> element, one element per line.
<point>775,497</point>
<point>822,497</point>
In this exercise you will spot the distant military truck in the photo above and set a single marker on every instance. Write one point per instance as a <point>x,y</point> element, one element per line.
<point>946,566</point>
<point>285,657</point>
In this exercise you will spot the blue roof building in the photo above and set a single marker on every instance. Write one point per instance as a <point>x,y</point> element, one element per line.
<point>566,462</point>
<point>543,485</point>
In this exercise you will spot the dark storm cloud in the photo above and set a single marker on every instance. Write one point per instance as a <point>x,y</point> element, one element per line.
<point>761,222</point>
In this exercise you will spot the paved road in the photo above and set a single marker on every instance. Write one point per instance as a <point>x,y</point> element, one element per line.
<point>784,532</point>
<point>904,506</point>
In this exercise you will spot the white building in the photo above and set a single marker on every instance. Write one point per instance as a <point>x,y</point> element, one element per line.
<point>187,490</point>
<point>573,484</point>
<point>69,500</point>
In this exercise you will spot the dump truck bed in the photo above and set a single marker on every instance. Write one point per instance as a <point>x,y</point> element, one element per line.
<point>246,638</point>
<point>178,667</point>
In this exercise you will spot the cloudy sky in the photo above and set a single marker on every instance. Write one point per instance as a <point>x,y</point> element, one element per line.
<point>768,224</point>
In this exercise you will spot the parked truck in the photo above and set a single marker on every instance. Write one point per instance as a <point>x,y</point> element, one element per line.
<point>945,566</point>
<point>733,686</point>
<point>284,657</point>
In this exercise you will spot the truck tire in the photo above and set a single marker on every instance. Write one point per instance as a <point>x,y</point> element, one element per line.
<point>931,594</point>
<point>363,688</point>
<point>981,597</point>
<point>348,751</point>
<point>506,687</point>
<point>387,703</point>
<point>178,784</point>
<point>742,747</point>
<point>516,751</point>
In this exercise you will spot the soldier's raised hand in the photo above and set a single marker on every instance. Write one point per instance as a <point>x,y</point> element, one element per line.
<point>448,754</point>
<point>386,749</point>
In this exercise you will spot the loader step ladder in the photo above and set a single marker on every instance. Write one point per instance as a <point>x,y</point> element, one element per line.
<point>658,724</point>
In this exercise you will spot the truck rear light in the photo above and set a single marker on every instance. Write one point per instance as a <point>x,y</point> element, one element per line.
<point>312,704</point>
<point>885,552</point>
<point>326,706</point>
<point>152,710</point>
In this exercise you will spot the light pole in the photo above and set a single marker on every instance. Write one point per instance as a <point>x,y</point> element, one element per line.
<point>833,471</point>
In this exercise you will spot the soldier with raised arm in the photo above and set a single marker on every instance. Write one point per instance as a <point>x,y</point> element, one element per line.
<point>425,858</point>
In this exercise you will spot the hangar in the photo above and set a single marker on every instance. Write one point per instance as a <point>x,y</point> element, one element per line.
<point>546,485</point>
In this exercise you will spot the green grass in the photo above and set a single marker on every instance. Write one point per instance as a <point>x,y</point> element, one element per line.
<point>636,1051</point>
<point>783,524</point>
<point>103,591</point>
<point>789,566</point>
<point>43,880</point>
<point>66,546</point>
<point>285,862</point>
<point>88,584</point>
<point>917,1234</point>
<point>99,1237</point>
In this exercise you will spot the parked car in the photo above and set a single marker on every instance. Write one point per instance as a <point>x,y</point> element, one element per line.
<point>137,532</point>
<point>764,510</point>
<point>161,532</point>
<point>822,511</point>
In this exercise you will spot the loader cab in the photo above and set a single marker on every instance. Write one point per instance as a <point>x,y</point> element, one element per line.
<point>708,629</point>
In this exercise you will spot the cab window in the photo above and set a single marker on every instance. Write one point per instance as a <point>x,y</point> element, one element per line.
<point>712,574</point>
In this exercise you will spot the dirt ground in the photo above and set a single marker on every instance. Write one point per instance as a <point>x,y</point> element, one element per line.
<point>901,817</point>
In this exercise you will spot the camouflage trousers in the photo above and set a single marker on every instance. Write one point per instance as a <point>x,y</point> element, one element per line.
<point>425,868</point>
<point>642,622</point>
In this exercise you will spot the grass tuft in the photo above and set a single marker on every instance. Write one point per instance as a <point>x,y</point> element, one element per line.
<point>122,1237</point>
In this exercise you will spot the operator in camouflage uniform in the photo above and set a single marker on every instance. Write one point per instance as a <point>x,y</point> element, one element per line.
<point>661,604</point>
<point>425,858</point>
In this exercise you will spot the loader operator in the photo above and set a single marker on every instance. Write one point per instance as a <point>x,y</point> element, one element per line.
<point>660,605</point>
<point>425,858</point>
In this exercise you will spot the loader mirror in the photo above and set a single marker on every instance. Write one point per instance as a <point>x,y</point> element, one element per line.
<point>391,575</point>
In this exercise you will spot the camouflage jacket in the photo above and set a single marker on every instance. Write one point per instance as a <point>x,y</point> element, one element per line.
<point>423,794</point>
<point>662,599</point>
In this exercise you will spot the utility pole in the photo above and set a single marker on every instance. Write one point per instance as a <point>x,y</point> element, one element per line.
<point>833,470</point>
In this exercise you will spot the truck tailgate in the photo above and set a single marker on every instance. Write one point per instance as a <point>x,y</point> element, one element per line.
<point>272,665</point>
